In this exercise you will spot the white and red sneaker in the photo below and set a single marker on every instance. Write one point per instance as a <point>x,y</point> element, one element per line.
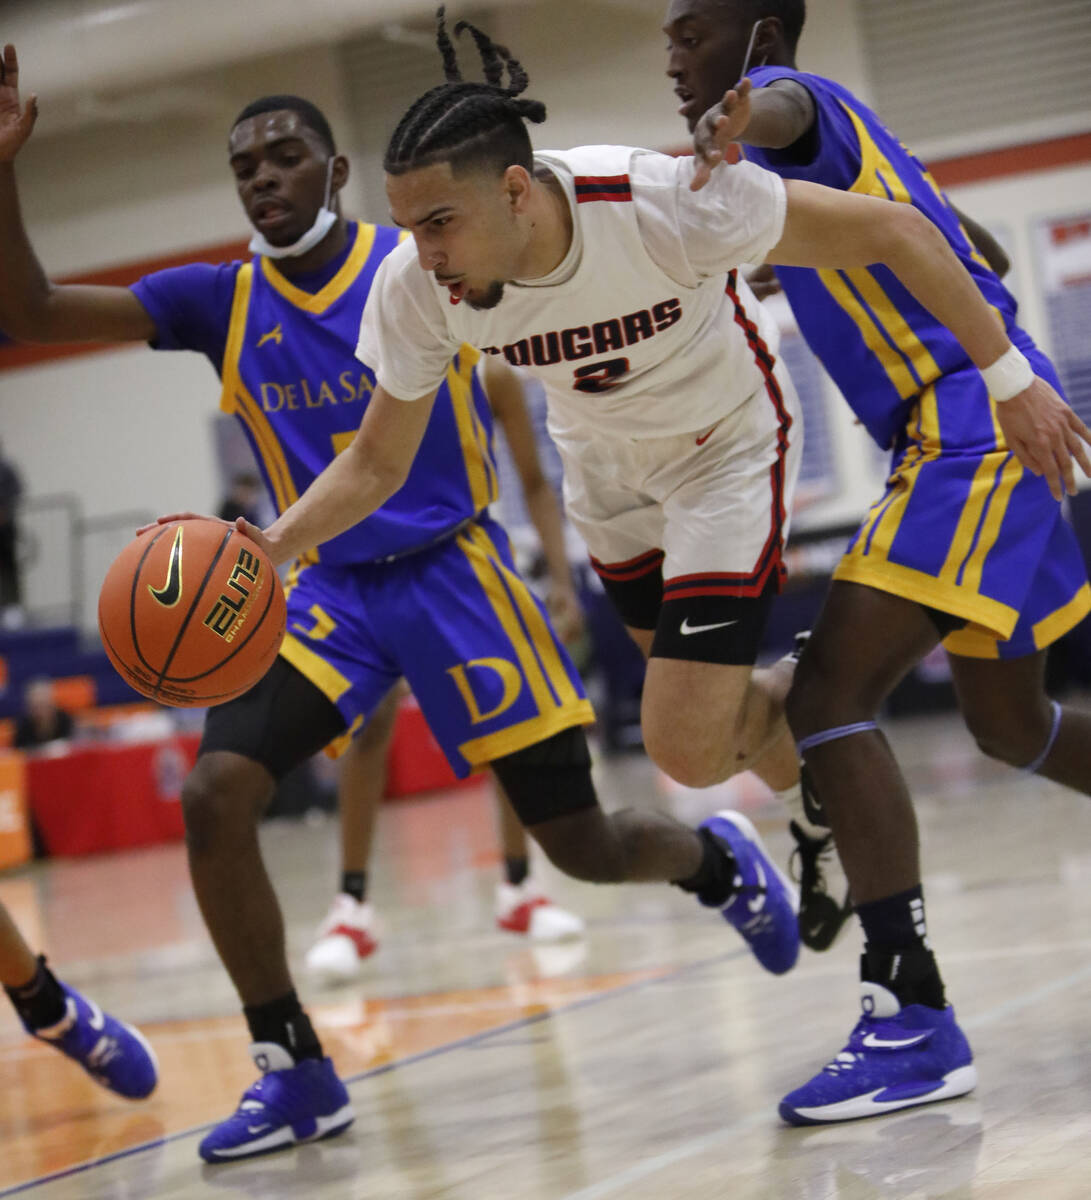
<point>524,909</point>
<point>345,938</point>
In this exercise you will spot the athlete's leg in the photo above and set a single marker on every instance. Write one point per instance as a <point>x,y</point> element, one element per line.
<point>723,863</point>
<point>361,782</point>
<point>1012,719</point>
<point>863,644</point>
<point>113,1053</point>
<point>17,961</point>
<point>247,745</point>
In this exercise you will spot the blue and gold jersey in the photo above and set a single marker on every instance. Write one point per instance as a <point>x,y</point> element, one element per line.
<point>880,346</point>
<point>286,356</point>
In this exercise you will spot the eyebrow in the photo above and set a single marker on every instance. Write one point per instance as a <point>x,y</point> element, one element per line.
<point>443,208</point>
<point>277,141</point>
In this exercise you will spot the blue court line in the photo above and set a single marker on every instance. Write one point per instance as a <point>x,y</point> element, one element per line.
<point>471,1040</point>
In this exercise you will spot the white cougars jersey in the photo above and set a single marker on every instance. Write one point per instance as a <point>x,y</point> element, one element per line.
<point>644,330</point>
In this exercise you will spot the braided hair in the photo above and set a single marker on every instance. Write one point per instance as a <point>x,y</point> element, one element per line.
<point>463,123</point>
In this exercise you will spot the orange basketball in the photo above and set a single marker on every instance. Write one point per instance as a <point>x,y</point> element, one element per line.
<point>192,613</point>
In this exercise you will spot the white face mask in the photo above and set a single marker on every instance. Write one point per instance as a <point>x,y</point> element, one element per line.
<point>323,223</point>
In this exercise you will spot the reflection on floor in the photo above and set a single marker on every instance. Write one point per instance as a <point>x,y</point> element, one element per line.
<point>643,1061</point>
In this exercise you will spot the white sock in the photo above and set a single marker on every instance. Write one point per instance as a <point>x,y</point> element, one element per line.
<point>792,799</point>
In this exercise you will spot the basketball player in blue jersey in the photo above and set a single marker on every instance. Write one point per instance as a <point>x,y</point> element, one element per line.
<point>965,547</point>
<point>424,588</point>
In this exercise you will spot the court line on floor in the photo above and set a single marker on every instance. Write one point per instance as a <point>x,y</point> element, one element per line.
<point>658,1162</point>
<point>469,1041</point>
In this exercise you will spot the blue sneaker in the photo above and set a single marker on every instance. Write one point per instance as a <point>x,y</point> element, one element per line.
<point>896,1058</point>
<point>291,1103</point>
<point>111,1052</point>
<point>764,904</point>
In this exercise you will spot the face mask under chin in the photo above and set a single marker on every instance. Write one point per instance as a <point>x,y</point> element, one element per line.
<point>323,223</point>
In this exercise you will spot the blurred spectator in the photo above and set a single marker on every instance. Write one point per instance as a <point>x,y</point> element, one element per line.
<point>243,500</point>
<point>41,720</point>
<point>11,489</point>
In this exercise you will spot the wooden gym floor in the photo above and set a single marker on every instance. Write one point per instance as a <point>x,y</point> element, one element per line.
<point>643,1063</point>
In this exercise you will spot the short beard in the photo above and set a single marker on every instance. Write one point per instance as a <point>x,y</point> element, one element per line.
<point>492,297</point>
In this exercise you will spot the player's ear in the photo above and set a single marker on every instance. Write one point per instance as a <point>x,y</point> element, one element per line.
<point>517,183</point>
<point>339,176</point>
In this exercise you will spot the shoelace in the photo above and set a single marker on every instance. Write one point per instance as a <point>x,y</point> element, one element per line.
<point>807,859</point>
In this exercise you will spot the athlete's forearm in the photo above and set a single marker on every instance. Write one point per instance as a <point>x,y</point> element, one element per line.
<point>926,265</point>
<point>347,491</point>
<point>545,515</point>
<point>24,286</point>
<point>359,480</point>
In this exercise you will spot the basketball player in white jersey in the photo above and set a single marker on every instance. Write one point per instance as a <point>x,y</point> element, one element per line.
<point>609,273</point>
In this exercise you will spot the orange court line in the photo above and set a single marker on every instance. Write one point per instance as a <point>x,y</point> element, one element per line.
<point>54,1119</point>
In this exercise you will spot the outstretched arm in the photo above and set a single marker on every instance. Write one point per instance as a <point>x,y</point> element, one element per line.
<point>825,228</point>
<point>360,479</point>
<point>508,401</point>
<point>32,307</point>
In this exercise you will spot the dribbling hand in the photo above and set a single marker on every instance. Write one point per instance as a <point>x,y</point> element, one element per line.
<point>16,123</point>
<point>254,532</point>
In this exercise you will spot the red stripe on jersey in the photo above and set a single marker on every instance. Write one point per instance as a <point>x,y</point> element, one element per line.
<point>614,188</point>
<point>631,568</point>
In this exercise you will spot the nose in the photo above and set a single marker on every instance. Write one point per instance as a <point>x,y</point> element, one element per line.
<point>674,65</point>
<point>430,256</point>
<point>265,177</point>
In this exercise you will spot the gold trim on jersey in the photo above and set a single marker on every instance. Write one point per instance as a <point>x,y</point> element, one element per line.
<point>539,658</point>
<point>472,434</point>
<point>342,742</point>
<point>479,751</point>
<point>236,400</point>
<point>319,301</point>
<point>329,680</point>
<point>991,489</point>
<point>877,572</point>
<point>881,525</point>
<point>1061,620</point>
<point>976,642</point>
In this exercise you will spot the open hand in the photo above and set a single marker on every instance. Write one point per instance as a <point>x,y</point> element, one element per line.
<point>15,123</point>
<point>723,124</point>
<point>254,532</point>
<point>1046,435</point>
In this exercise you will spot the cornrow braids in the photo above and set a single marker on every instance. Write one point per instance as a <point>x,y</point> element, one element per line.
<point>465,123</point>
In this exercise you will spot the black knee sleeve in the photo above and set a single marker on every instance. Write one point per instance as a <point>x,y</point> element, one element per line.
<point>550,779</point>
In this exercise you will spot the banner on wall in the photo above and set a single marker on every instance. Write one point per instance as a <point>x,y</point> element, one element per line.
<point>1063,260</point>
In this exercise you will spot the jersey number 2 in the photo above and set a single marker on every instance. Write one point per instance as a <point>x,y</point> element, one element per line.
<point>602,376</point>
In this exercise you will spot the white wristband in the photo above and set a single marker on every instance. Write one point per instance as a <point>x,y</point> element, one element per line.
<point>1009,375</point>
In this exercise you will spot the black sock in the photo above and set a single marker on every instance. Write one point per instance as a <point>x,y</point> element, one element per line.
<point>714,880</point>
<point>516,869</point>
<point>897,955</point>
<point>283,1021</point>
<point>354,884</point>
<point>40,1002</point>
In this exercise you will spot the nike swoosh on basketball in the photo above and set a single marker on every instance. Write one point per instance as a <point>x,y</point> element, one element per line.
<point>705,436</point>
<point>171,591</point>
<point>685,629</point>
<point>877,1043</point>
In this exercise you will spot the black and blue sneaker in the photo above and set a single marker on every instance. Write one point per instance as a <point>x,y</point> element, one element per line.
<point>897,1057</point>
<point>110,1051</point>
<point>292,1102</point>
<point>763,905</point>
